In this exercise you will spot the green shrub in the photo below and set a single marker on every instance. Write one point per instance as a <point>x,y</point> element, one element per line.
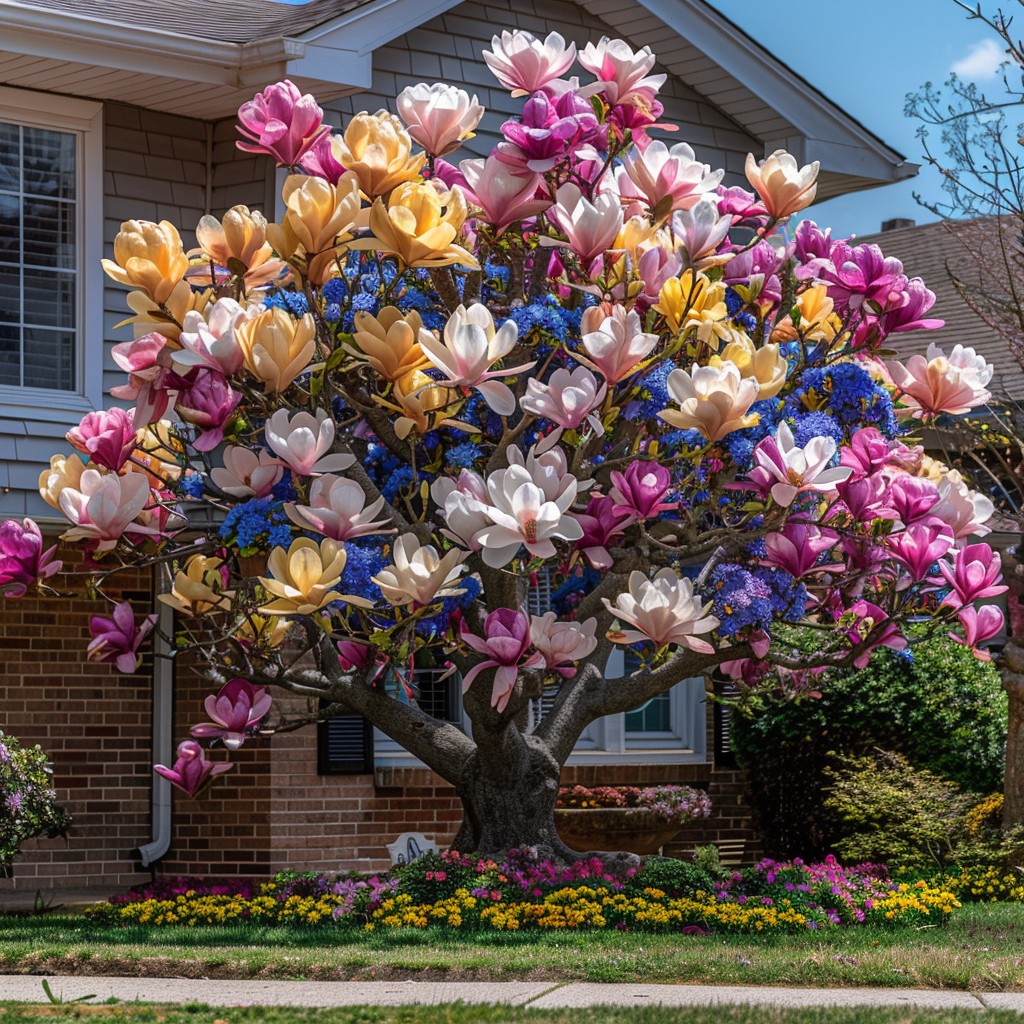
<point>674,877</point>
<point>28,804</point>
<point>944,710</point>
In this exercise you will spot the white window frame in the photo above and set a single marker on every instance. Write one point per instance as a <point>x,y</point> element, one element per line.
<point>84,119</point>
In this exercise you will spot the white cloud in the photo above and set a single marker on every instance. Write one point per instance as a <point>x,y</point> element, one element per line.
<point>982,61</point>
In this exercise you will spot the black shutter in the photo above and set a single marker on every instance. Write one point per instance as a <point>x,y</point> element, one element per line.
<point>724,756</point>
<point>344,745</point>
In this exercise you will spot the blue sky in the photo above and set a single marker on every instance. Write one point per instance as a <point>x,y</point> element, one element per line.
<point>866,55</point>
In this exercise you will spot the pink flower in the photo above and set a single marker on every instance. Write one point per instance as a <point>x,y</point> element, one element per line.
<point>912,498</point>
<point>856,274</point>
<point>915,301</point>
<point>976,573</point>
<point>568,399</point>
<point>107,437</point>
<point>601,522</point>
<point>617,344</point>
<point>938,384</point>
<point>591,227</point>
<point>641,489</point>
<point>868,451</point>
<point>234,711</point>
<point>505,643</point>
<point>439,117</point>
<point>621,70</point>
<point>797,547</point>
<point>699,229</point>
<point>210,341</point>
<point>562,643</point>
<point>353,655</point>
<point>117,640</point>
<point>864,497</point>
<point>104,506</point>
<point>872,629</point>
<point>502,195</point>
<point>303,442</point>
<point>247,473</point>
<point>664,609</point>
<point>148,367</point>
<point>671,179</point>
<point>23,562</point>
<point>337,509</point>
<point>980,624</point>
<point>207,403</point>
<point>920,546</point>
<point>321,162</point>
<point>524,64</point>
<point>797,469</point>
<point>281,122</point>
<point>192,772</point>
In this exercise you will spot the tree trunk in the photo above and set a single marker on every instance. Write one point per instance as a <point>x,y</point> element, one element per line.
<point>1013,683</point>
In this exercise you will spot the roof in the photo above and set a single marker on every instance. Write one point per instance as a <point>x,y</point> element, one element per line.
<point>928,251</point>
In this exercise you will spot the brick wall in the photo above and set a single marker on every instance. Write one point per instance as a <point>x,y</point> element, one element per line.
<point>94,724</point>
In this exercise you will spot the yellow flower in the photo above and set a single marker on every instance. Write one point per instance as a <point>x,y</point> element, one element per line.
<point>263,632</point>
<point>377,149</point>
<point>388,342</point>
<point>817,321</point>
<point>419,225</point>
<point>148,256</point>
<point>691,301</point>
<point>241,237</point>
<point>766,364</point>
<point>64,471</point>
<point>198,589</point>
<point>783,185</point>
<point>277,347</point>
<point>317,224</point>
<point>421,406</point>
<point>150,320</point>
<point>302,578</point>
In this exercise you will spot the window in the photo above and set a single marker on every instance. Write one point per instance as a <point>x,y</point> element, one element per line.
<point>51,292</point>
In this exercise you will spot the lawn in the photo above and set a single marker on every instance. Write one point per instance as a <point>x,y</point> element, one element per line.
<point>981,947</point>
<point>11,1013</point>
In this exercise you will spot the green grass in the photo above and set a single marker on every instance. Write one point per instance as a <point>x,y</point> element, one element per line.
<point>981,947</point>
<point>458,1014</point>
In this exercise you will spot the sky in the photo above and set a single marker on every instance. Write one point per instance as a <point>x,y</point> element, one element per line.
<point>866,55</point>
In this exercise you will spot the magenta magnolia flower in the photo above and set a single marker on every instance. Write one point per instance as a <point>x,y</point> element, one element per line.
<point>867,452</point>
<point>207,403</point>
<point>872,629</point>
<point>976,573</point>
<point>864,497</point>
<point>742,207</point>
<point>23,562</point>
<point>107,437</point>
<point>191,772</point>
<point>505,642</point>
<point>117,640</point>
<point>281,122</point>
<point>920,546</point>
<point>796,548</point>
<point>915,301</point>
<point>858,274</point>
<point>236,709</point>
<point>602,521</point>
<point>641,489</point>
<point>810,242</point>
<point>549,129</point>
<point>980,624</point>
<point>912,498</point>
<point>321,162</point>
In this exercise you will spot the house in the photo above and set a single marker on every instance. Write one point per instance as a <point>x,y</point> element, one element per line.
<point>110,110</point>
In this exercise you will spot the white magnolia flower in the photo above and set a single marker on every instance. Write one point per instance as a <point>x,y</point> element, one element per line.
<point>665,610</point>
<point>419,573</point>
<point>799,469</point>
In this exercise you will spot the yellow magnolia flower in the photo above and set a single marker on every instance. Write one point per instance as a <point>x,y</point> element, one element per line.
<point>783,185</point>
<point>317,224</point>
<point>691,301</point>
<point>159,452</point>
<point>388,342</point>
<point>302,578</point>
<point>633,236</point>
<point>276,346</point>
<point>149,320</point>
<point>766,364</point>
<point>64,471</point>
<point>199,588</point>
<point>419,225</point>
<point>421,405</point>
<point>240,237</point>
<point>377,149</point>
<point>148,256</point>
<point>266,632</point>
<point>712,399</point>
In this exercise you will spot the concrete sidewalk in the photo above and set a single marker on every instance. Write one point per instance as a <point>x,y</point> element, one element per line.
<point>28,988</point>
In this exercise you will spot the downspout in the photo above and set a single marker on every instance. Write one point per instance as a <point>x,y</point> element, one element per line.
<point>208,199</point>
<point>163,737</point>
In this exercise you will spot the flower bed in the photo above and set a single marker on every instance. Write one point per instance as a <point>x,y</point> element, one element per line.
<point>455,891</point>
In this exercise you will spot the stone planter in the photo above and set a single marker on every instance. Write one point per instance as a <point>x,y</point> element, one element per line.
<point>609,829</point>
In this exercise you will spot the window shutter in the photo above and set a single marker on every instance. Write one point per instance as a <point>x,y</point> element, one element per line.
<point>345,746</point>
<point>724,755</point>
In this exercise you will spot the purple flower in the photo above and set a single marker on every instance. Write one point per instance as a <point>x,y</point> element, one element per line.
<point>857,274</point>
<point>641,489</point>
<point>236,709</point>
<point>117,640</point>
<point>191,772</point>
<point>281,122</point>
<point>207,403</point>
<point>549,129</point>
<point>909,314</point>
<point>23,562</point>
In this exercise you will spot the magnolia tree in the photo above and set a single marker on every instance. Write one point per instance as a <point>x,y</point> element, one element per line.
<point>358,437</point>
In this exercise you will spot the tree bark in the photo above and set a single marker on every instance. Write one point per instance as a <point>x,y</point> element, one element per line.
<point>1013,683</point>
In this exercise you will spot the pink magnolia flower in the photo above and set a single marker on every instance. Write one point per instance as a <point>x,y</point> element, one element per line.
<point>979,624</point>
<point>615,344</point>
<point>641,489</point>
<point>655,267</point>
<point>797,547</point>
<point>337,509</point>
<point>664,609</point>
<point>463,502</point>
<point>562,643</point>
<point>621,70</point>
<point>524,64</point>
<point>797,469</point>
<point>912,498</point>
<point>107,436</point>
<point>104,507</point>
<point>966,512</point>
<point>856,274</point>
<point>568,399</point>
<point>505,642</point>
<point>920,546</point>
<point>234,712</point>
<point>670,179</point>
<point>741,207</point>
<point>303,442</point>
<point>938,384</point>
<point>502,195</point>
<point>601,522</point>
<point>700,229</point>
<point>207,403</point>
<point>865,497</point>
<point>550,129</point>
<point>321,160</point>
<point>116,640</point>
<point>210,340</point>
<point>191,772</point>
<point>247,473</point>
<point>871,629</point>
<point>439,117</point>
<point>591,227</point>
<point>908,315</point>
<point>281,122</point>
<point>867,452</point>
<point>352,655</point>
<point>23,562</point>
<point>975,574</point>
<point>148,366</point>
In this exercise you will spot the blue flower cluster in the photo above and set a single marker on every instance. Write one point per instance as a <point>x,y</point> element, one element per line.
<point>741,600</point>
<point>437,625</point>
<point>462,456</point>
<point>546,316</point>
<point>849,394</point>
<point>284,489</point>
<point>654,395</point>
<point>294,302</point>
<point>256,525</point>
<point>576,586</point>
<point>788,594</point>
<point>365,559</point>
<point>809,425</point>
<point>192,485</point>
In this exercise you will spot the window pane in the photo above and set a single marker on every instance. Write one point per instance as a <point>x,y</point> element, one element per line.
<point>49,163</point>
<point>49,299</point>
<point>10,228</point>
<point>654,716</point>
<point>10,157</point>
<point>49,228</point>
<point>10,355</point>
<point>10,295</point>
<point>49,359</point>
